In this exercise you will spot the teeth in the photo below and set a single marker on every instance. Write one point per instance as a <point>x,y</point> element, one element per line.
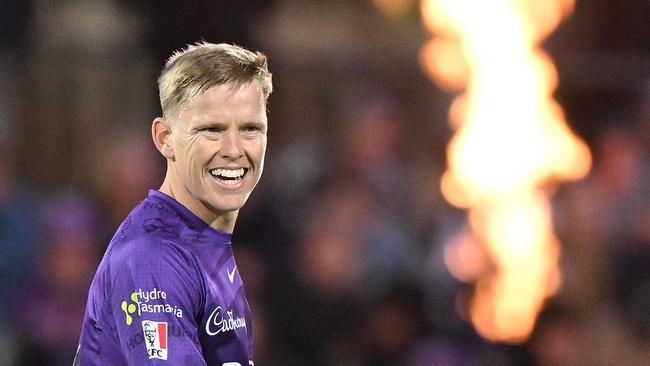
<point>228,173</point>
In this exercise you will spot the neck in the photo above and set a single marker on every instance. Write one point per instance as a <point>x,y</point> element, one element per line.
<point>221,221</point>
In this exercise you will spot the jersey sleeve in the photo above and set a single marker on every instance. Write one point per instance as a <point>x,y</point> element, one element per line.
<point>156,298</point>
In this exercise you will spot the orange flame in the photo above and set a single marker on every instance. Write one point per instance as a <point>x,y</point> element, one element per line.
<point>511,143</point>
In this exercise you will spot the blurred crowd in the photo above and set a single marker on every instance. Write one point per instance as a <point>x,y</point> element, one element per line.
<point>341,245</point>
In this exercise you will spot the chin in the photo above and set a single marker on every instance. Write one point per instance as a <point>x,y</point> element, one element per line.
<point>228,205</point>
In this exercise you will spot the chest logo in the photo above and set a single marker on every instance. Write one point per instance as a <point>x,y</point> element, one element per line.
<point>130,308</point>
<point>152,301</point>
<point>155,335</point>
<point>218,323</point>
<point>231,275</point>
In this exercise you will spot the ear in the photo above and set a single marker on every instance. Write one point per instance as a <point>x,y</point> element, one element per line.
<point>161,134</point>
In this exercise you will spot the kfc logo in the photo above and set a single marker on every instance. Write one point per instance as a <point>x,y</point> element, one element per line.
<point>155,337</point>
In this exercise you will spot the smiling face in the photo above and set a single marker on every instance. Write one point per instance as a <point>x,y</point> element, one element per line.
<point>215,151</point>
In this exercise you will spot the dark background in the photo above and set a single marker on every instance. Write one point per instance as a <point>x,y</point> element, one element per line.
<point>341,244</point>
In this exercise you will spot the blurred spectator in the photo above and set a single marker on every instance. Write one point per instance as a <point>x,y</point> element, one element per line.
<point>130,166</point>
<point>556,340</point>
<point>394,323</point>
<point>605,261</point>
<point>48,308</point>
<point>598,212</point>
<point>18,227</point>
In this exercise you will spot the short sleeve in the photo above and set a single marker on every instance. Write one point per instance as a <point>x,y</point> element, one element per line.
<point>156,296</point>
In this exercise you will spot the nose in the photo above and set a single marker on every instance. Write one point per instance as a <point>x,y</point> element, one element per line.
<point>231,146</point>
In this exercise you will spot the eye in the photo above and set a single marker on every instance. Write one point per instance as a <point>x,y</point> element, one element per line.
<point>210,129</point>
<point>252,128</point>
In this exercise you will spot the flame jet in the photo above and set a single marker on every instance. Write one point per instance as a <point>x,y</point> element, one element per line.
<point>511,146</point>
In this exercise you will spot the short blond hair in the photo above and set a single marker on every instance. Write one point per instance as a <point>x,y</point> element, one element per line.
<point>204,65</point>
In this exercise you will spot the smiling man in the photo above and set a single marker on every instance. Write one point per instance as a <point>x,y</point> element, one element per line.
<point>167,291</point>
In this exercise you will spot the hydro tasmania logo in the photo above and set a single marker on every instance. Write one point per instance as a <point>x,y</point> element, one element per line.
<point>140,302</point>
<point>155,335</point>
<point>130,308</point>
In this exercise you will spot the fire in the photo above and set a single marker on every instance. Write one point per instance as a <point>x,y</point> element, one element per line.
<point>511,145</point>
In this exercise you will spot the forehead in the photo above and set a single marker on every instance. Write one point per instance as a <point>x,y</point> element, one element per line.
<point>227,101</point>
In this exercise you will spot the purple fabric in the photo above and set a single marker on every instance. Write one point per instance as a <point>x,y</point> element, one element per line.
<point>167,292</point>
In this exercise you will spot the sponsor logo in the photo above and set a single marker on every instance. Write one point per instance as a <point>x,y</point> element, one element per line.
<point>155,335</point>
<point>130,308</point>
<point>218,324</point>
<point>140,302</point>
<point>231,275</point>
<point>173,331</point>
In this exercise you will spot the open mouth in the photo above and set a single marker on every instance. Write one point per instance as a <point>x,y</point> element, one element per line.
<point>229,176</point>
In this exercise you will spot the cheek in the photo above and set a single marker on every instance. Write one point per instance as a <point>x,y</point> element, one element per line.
<point>197,154</point>
<point>190,162</point>
<point>260,154</point>
<point>262,149</point>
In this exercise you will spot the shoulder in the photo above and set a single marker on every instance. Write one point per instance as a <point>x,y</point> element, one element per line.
<point>149,236</point>
<point>147,250</point>
<point>149,255</point>
<point>149,220</point>
<point>145,266</point>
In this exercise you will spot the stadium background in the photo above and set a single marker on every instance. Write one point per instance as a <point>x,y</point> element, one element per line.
<point>341,244</point>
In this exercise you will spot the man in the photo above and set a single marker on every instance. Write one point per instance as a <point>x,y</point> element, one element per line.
<point>167,291</point>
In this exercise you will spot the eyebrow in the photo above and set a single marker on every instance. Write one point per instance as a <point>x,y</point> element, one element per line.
<point>208,123</point>
<point>214,123</point>
<point>255,123</point>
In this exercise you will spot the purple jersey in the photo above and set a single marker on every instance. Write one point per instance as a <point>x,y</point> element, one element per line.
<point>167,292</point>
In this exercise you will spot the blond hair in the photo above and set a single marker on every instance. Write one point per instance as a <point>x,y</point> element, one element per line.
<point>202,66</point>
